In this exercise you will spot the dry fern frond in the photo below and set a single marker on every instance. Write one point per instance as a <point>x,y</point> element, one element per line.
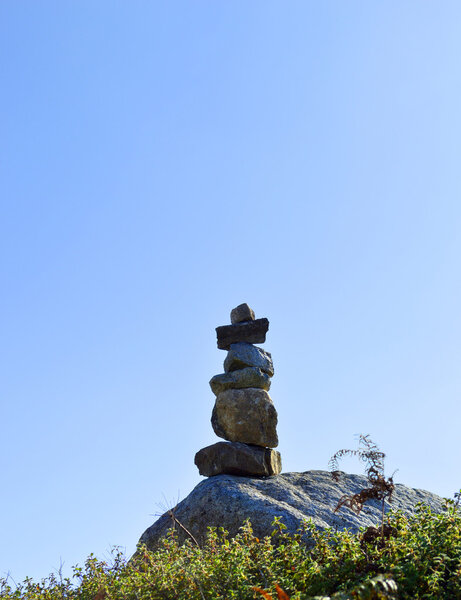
<point>368,452</point>
<point>381,488</point>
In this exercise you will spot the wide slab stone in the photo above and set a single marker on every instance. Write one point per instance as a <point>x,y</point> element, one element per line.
<point>243,355</point>
<point>235,458</point>
<point>247,416</point>
<point>228,500</point>
<point>251,332</point>
<point>243,378</point>
<point>240,313</point>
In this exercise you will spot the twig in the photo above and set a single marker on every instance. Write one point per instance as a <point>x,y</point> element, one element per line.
<point>175,520</point>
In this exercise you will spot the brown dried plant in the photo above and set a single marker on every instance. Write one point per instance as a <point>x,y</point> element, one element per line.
<point>281,595</point>
<point>381,488</point>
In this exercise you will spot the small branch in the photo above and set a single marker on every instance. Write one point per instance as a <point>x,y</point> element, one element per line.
<point>175,520</point>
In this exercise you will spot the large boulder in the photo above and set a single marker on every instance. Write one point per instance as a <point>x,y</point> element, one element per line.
<point>228,500</point>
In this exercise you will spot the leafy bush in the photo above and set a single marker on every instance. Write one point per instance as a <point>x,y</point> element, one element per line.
<point>422,555</point>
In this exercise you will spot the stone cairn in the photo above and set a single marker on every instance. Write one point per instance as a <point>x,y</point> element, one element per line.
<point>243,412</point>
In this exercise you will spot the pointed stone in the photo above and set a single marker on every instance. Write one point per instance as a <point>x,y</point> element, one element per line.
<point>247,416</point>
<point>250,377</point>
<point>243,355</point>
<point>240,313</point>
<point>235,458</point>
<point>251,332</point>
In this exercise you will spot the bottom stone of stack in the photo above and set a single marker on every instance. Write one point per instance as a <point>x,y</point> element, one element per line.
<point>236,458</point>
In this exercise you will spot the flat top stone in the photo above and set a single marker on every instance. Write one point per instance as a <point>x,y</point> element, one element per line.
<point>241,313</point>
<point>251,332</point>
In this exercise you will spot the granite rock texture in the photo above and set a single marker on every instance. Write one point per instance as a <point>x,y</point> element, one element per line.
<point>242,378</point>
<point>236,458</point>
<point>247,416</point>
<point>228,500</point>
<point>243,355</point>
<point>251,332</point>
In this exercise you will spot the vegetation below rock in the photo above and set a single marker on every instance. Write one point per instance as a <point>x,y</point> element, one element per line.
<point>421,554</point>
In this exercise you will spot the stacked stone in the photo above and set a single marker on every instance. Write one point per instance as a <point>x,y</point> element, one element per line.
<point>244,413</point>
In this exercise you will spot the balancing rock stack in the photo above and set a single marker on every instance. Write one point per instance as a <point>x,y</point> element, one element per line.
<point>243,412</point>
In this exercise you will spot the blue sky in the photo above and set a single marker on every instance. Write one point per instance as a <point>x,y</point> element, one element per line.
<point>162,162</point>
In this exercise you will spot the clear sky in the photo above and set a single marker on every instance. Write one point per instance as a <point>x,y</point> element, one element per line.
<point>162,162</point>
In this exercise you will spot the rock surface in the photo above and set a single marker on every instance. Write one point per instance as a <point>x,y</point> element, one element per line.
<point>243,378</point>
<point>247,416</point>
<point>251,332</point>
<point>240,313</point>
<point>243,355</point>
<point>227,500</point>
<point>238,459</point>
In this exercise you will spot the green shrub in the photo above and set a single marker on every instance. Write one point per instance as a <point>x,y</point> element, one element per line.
<point>422,555</point>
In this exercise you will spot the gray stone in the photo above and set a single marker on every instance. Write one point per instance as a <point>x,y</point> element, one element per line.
<point>243,355</point>
<point>247,416</point>
<point>228,500</point>
<point>235,458</point>
<point>241,313</point>
<point>243,378</point>
<point>251,332</point>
